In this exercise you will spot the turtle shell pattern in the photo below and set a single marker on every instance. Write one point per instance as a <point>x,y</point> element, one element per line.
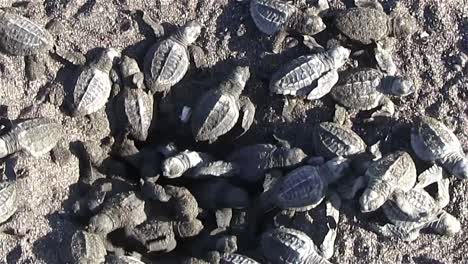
<point>215,114</point>
<point>365,25</point>
<point>415,200</point>
<point>21,36</point>
<point>37,136</point>
<point>396,169</point>
<point>92,90</point>
<point>288,245</point>
<point>270,15</point>
<point>432,140</point>
<point>138,111</point>
<point>300,73</point>
<point>332,140</point>
<point>87,247</point>
<point>359,89</point>
<point>7,200</point>
<point>302,187</point>
<point>233,258</point>
<point>165,64</point>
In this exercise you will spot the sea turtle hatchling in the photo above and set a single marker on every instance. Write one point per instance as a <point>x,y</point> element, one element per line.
<point>217,112</point>
<point>7,200</point>
<point>275,17</point>
<point>367,88</point>
<point>310,76</point>
<point>254,160</point>
<point>21,36</point>
<point>393,171</point>
<point>288,246</point>
<point>305,187</point>
<point>368,23</point>
<point>161,236</point>
<point>87,247</point>
<point>135,106</point>
<point>332,139</point>
<point>434,142</point>
<point>167,61</point>
<point>35,137</point>
<point>409,212</point>
<point>93,86</point>
<point>122,210</point>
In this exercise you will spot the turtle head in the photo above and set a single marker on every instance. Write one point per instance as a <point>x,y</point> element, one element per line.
<point>101,224</point>
<point>448,224</point>
<point>340,55</point>
<point>106,59</point>
<point>173,167</point>
<point>191,31</point>
<point>240,74</point>
<point>402,87</point>
<point>295,156</point>
<point>371,200</point>
<point>337,168</point>
<point>188,229</point>
<point>460,169</point>
<point>311,24</point>
<point>404,25</point>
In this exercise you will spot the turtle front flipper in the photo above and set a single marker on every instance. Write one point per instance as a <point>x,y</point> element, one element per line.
<point>386,111</point>
<point>324,85</point>
<point>332,205</point>
<point>197,55</point>
<point>443,194</point>
<point>278,41</point>
<point>247,108</point>
<point>404,232</point>
<point>429,176</point>
<point>383,56</point>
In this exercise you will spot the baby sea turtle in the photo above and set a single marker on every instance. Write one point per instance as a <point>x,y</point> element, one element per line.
<point>167,61</point>
<point>367,88</point>
<point>161,236</point>
<point>217,112</point>
<point>135,105</point>
<point>275,17</point>
<point>434,142</point>
<point>234,258</point>
<point>7,200</point>
<point>409,212</point>
<point>286,245</point>
<point>393,171</point>
<point>122,210</point>
<point>87,248</point>
<point>114,259</point>
<point>21,36</point>
<point>369,24</point>
<point>310,76</point>
<point>305,187</point>
<point>93,86</point>
<point>335,140</point>
<point>254,160</point>
<point>35,137</point>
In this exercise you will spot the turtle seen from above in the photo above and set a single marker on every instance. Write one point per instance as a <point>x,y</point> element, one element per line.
<point>367,88</point>
<point>217,112</point>
<point>310,76</point>
<point>432,141</point>
<point>167,61</point>
<point>280,18</point>
<point>93,86</point>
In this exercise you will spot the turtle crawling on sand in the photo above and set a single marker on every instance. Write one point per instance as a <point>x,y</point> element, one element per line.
<point>217,112</point>
<point>434,142</point>
<point>367,88</point>
<point>276,17</point>
<point>167,61</point>
<point>310,76</point>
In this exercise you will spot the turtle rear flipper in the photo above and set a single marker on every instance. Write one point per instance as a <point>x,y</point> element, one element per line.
<point>247,109</point>
<point>324,85</point>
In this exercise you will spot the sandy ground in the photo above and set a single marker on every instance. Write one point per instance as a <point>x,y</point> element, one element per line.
<point>432,58</point>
